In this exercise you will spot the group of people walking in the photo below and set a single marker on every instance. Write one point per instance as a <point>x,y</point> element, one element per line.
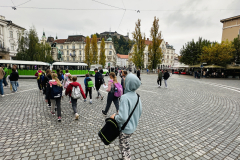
<point>123,95</point>
<point>162,75</point>
<point>5,77</point>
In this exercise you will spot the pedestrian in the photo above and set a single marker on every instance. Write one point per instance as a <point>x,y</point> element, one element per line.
<point>195,74</point>
<point>138,74</point>
<point>165,77</point>
<point>179,72</point>
<point>204,73</point>
<point>38,75</point>
<point>116,71</point>
<point>88,87</point>
<point>46,80</point>
<point>14,79</point>
<point>54,93</point>
<point>124,74</point>
<point>60,76</point>
<point>160,75</point>
<point>98,82</point>
<point>147,71</point>
<point>69,90</point>
<point>111,98</point>
<point>41,81</point>
<point>127,104</point>
<point>5,76</point>
<point>2,73</point>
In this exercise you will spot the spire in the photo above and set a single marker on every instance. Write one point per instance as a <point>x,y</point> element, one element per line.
<point>56,36</point>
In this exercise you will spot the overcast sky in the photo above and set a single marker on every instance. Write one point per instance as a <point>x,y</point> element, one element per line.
<point>180,20</point>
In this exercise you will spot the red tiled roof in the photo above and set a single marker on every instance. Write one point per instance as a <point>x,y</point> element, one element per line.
<point>147,42</point>
<point>60,41</point>
<point>122,56</point>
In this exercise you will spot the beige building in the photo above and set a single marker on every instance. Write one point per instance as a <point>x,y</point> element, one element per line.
<point>231,28</point>
<point>72,49</point>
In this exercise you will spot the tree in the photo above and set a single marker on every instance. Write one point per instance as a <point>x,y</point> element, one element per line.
<point>102,59</point>
<point>236,53</point>
<point>88,54</point>
<point>218,53</point>
<point>192,50</point>
<point>30,49</point>
<point>94,49</point>
<point>155,52</point>
<point>137,56</point>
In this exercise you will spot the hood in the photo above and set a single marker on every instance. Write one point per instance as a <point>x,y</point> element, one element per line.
<point>132,83</point>
<point>75,84</point>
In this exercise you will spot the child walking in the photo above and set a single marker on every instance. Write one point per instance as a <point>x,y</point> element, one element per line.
<point>88,87</point>
<point>69,92</point>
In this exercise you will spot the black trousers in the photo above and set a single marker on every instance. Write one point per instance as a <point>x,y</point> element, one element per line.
<point>159,81</point>
<point>39,84</point>
<point>88,90</point>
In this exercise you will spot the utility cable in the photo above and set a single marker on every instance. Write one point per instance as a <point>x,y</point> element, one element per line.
<point>23,3</point>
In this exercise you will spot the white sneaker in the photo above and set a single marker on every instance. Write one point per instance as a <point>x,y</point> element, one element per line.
<point>3,95</point>
<point>90,101</point>
<point>158,86</point>
<point>76,116</point>
<point>85,100</point>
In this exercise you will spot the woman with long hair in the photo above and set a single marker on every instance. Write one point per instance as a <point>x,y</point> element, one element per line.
<point>111,98</point>
<point>54,93</point>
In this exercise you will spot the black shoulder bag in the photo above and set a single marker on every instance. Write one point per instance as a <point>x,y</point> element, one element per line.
<point>110,130</point>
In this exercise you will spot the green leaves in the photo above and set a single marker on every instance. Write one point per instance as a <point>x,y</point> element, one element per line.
<point>102,59</point>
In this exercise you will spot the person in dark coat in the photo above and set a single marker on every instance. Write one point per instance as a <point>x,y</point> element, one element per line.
<point>165,77</point>
<point>138,74</point>
<point>98,82</point>
<point>14,79</point>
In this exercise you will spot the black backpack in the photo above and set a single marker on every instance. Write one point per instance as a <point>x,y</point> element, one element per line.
<point>100,79</point>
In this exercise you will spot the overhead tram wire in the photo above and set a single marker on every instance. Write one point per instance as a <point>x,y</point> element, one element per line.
<point>65,8</point>
<point>23,3</point>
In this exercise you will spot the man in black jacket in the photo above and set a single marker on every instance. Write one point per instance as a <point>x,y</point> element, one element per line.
<point>165,77</point>
<point>98,82</point>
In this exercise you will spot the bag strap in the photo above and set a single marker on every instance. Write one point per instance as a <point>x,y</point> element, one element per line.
<point>125,124</point>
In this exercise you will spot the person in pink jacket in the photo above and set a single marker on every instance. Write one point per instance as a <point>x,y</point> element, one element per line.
<point>111,98</point>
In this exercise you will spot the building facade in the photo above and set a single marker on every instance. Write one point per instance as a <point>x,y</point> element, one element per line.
<point>231,28</point>
<point>9,34</point>
<point>72,49</point>
<point>122,60</point>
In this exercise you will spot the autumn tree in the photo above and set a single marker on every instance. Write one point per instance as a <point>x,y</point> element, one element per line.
<point>154,50</point>
<point>137,56</point>
<point>94,49</point>
<point>218,53</point>
<point>88,54</point>
<point>102,59</point>
<point>192,50</point>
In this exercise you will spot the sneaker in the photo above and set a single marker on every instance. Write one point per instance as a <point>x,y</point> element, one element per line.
<point>2,95</point>
<point>103,112</point>
<point>90,101</point>
<point>76,116</point>
<point>102,97</point>
<point>85,100</point>
<point>53,113</point>
<point>158,86</point>
<point>59,118</point>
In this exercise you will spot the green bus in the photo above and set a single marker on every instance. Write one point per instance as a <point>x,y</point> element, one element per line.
<point>76,69</point>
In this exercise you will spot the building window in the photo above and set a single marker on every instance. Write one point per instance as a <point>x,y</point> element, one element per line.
<point>0,44</point>
<point>73,47</point>
<point>73,59</point>
<point>167,57</point>
<point>80,46</point>
<point>80,53</point>
<point>67,58</point>
<point>171,57</point>
<point>110,52</point>
<point>12,48</point>
<point>61,47</point>
<point>67,53</point>
<point>110,46</point>
<point>67,47</point>
<point>73,52</point>
<point>11,34</point>
<point>80,59</point>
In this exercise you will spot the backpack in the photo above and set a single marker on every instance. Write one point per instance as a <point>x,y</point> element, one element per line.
<point>89,82</point>
<point>76,94</point>
<point>118,91</point>
<point>41,79</point>
<point>66,76</point>
<point>67,83</point>
<point>39,76</point>
<point>56,91</point>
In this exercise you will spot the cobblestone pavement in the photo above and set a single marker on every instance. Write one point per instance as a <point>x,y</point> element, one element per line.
<point>192,119</point>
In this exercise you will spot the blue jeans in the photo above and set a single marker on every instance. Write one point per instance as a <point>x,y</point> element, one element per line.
<point>4,81</point>
<point>14,85</point>
<point>1,87</point>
